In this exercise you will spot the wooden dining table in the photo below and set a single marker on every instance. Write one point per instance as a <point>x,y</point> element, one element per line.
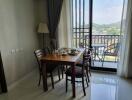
<point>70,60</point>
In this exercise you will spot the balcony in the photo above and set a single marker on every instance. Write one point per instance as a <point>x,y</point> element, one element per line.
<point>100,44</point>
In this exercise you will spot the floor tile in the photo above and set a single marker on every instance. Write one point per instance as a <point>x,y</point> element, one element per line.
<point>102,87</point>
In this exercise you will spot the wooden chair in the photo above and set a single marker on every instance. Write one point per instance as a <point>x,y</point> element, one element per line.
<point>111,50</point>
<point>49,67</point>
<point>79,73</point>
<point>88,54</point>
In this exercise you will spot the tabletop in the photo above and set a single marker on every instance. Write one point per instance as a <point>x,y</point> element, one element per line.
<point>65,58</point>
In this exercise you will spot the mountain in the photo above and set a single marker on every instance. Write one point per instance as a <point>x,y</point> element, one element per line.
<point>107,29</point>
<point>104,29</point>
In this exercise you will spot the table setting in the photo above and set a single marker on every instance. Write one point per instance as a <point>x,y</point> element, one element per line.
<point>66,51</point>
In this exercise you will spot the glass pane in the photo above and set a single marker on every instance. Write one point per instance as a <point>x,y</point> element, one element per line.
<point>107,17</point>
<point>80,21</point>
<point>106,31</point>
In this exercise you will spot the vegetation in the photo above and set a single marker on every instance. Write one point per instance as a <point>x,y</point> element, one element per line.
<point>106,29</point>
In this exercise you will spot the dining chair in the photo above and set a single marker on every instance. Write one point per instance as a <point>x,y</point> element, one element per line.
<point>79,73</point>
<point>49,67</point>
<point>111,50</point>
<point>88,55</point>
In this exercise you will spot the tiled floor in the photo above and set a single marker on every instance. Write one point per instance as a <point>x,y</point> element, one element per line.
<point>102,87</point>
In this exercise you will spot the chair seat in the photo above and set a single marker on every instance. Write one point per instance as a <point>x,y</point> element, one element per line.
<point>80,62</point>
<point>78,72</point>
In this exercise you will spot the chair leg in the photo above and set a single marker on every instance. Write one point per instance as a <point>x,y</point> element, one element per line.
<point>59,73</point>
<point>66,83</point>
<point>66,67</point>
<point>93,62</point>
<point>39,79</point>
<point>87,75</point>
<point>62,69</point>
<point>115,59</point>
<point>87,79</point>
<point>103,60</point>
<point>87,71</point>
<point>52,80</point>
<point>83,86</point>
<point>89,67</point>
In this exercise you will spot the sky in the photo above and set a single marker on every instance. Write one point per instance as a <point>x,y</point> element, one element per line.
<point>107,11</point>
<point>104,11</point>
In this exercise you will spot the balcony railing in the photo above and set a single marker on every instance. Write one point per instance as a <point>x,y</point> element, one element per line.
<point>96,39</point>
<point>105,40</point>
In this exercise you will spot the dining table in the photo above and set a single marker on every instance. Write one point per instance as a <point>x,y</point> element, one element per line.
<point>68,59</point>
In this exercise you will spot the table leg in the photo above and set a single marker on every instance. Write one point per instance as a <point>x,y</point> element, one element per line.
<point>73,81</point>
<point>44,75</point>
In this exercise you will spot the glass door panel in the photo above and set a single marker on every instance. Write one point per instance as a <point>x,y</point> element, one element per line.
<point>106,32</point>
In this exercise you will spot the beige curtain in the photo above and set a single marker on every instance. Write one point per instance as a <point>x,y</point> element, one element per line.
<point>125,61</point>
<point>65,25</point>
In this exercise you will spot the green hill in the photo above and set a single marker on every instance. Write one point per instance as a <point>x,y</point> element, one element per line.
<point>104,29</point>
<point>107,29</point>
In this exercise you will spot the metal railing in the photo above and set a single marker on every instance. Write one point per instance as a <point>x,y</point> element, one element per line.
<point>103,39</point>
<point>98,40</point>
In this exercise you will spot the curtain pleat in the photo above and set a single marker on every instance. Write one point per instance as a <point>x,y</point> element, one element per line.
<point>125,61</point>
<point>54,11</point>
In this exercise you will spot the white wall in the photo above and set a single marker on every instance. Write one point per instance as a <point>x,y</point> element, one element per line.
<point>18,38</point>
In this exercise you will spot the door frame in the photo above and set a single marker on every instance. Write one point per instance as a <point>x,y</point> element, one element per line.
<point>90,40</point>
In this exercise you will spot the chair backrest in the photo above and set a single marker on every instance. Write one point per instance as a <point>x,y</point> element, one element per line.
<point>86,58</point>
<point>88,53</point>
<point>41,52</point>
<point>113,48</point>
<point>117,46</point>
<point>38,54</point>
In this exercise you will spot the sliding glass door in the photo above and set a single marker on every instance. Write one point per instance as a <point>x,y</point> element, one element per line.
<point>96,25</point>
<point>106,32</point>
